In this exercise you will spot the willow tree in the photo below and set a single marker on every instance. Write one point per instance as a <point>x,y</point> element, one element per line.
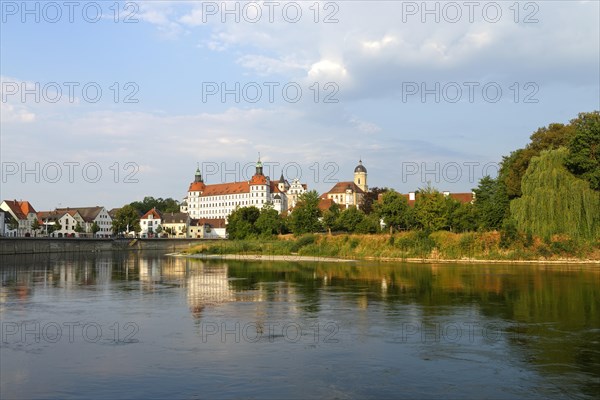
<point>556,202</point>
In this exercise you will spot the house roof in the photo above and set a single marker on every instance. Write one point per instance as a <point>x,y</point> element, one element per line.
<point>174,218</point>
<point>258,180</point>
<point>154,213</point>
<point>88,214</point>
<point>197,187</point>
<point>48,215</point>
<point>212,222</point>
<point>20,208</point>
<point>235,187</point>
<point>324,204</point>
<point>341,187</point>
<point>113,212</point>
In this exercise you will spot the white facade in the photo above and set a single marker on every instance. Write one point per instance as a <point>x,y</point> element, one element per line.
<point>220,200</point>
<point>150,222</point>
<point>23,213</point>
<point>2,225</point>
<point>86,216</point>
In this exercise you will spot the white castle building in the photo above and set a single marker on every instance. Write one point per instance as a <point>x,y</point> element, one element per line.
<point>217,201</point>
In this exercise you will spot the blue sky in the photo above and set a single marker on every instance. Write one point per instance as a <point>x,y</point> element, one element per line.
<point>408,92</point>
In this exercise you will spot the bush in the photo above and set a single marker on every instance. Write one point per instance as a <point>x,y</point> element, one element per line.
<point>302,241</point>
<point>509,234</point>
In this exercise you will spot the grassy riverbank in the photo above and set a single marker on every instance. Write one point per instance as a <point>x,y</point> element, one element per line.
<point>412,245</point>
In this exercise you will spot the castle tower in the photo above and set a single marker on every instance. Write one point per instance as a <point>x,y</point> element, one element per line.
<point>360,176</point>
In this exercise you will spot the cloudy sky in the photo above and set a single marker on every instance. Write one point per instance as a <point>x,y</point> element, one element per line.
<point>103,104</point>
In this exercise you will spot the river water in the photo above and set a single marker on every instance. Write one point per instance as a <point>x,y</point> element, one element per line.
<point>153,326</point>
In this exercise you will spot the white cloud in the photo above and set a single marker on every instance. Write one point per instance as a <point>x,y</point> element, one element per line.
<point>11,113</point>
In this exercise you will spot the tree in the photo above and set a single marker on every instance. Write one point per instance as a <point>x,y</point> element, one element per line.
<point>13,224</point>
<point>330,217</point>
<point>431,209</point>
<point>305,216</point>
<point>78,228</point>
<point>492,205</point>
<point>584,149</point>
<point>269,221</point>
<point>369,224</point>
<point>126,219</point>
<point>349,219</point>
<point>159,229</point>
<point>35,226</point>
<point>461,216</point>
<point>241,223</point>
<point>56,226</point>
<point>163,205</point>
<point>394,210</point>
<point>95,228</point>
<point>370,199</point>
<point>556,202</point>
<point>514,166</point>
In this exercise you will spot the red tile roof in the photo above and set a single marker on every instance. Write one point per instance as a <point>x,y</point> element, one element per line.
<point>226,188</point>
<point>341,187</point>
<point>324,204</point>
<point>196,187</point>
<point>258,180</point>
<point>20,208</point>
<point>154,212</point>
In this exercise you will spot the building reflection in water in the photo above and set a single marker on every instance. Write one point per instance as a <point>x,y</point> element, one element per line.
<point>210,285</point>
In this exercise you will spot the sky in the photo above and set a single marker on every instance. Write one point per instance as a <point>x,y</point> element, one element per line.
<point>106,102</point>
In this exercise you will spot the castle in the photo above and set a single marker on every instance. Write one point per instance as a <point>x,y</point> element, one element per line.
<point>217,201</point>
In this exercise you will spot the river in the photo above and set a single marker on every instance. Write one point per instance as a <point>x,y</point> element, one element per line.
<point>147,325</point>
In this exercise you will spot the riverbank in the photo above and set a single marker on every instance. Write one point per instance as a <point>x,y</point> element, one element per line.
<point>438,247</point>
<point>296,258</point>
<point>14,246</point>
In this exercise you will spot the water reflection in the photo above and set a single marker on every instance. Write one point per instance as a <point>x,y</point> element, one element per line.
<point>536,326</point>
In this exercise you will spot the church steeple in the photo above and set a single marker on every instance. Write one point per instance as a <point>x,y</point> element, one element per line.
<point>259,166</point>
<point>360,176</point>
<point>198,176</point>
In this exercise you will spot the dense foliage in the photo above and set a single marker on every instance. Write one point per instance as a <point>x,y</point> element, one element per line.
<point>584,149</point>
<point>126,219</point>
<point>305,217</point>
<point>168,205</point>
<point>556,202</point>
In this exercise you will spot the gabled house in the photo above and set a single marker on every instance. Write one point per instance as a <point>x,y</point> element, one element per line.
<point>175,225</point>
<point>7,225</point>
<point>150,222</point>
<point>86,217</point>
<point>208,228</point>
<point>351,193</point>
<point>23,215</point>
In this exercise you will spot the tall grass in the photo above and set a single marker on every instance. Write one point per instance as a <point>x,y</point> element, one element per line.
<point>413,244</point>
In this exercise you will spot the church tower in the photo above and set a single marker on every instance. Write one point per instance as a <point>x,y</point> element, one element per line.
<point>360,176</point>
